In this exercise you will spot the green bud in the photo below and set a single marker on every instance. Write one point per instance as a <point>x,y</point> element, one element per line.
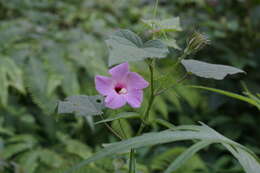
<point>197,42</point>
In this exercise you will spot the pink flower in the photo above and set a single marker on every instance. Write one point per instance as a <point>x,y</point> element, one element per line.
<point>122,87</point>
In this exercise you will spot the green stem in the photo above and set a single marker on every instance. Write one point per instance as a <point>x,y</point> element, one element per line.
<point>151,99</point>
<point>122,129</point>
<point>179,60</point>
<point>185,76</point>
<point>111,129</point>
<point>132,162</point>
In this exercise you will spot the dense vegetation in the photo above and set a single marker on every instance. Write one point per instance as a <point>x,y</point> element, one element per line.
<point>50,50</point>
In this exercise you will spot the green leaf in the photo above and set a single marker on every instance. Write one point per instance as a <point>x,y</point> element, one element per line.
<point>229,94</point>
<point>124,115</point>
<point>37,83</point>
<point>75,147</point>
<point>186,155</point>
<point>10,75</point>
<point>124,45</point>
<point>13,149</point>
<point>29,161</point>
<point>180,133</point>
<point>166,25</point>
<point>172,43</point>
<point>3,87</point>
<point>14,74</point>
<point>162,161</point>
<point>123,128</point>
<point>206,70</point>
<point>82,105</point>
<point>247,160</point>
<point>51,158</point>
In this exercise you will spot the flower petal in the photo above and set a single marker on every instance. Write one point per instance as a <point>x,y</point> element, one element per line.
<point>104,85</point>
<point>134,98</point>
<point>135,81</point>
<point>115,101</point>
<point>120,71</point>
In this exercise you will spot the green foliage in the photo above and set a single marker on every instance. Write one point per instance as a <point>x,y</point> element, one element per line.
<point>165,25</point>
<point>161,162</point>
<point>189,132</point>
<point>82,105</point>
<point>51,50</point>
<point>124,45</point>
<point>207,70</point>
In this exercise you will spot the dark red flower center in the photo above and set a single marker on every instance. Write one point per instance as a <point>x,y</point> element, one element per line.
<point>120,89</point>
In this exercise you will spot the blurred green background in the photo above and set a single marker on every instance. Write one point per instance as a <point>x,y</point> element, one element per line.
<point>51,49</point>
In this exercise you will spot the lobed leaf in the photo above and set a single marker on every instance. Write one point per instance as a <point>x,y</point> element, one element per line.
<point>124,45</point>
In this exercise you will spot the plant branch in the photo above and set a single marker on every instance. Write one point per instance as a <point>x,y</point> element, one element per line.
<point>111,129</point>
<point>151,99</point>
<point>185,76</point>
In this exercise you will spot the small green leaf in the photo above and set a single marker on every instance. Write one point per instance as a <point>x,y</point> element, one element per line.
<point>172,43</point>
<point>206,70</point>
<point>124,45</point>
<point>82,105</point>
<point>124,115</point>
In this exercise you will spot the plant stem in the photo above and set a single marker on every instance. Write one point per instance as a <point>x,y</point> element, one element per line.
<point>122,129</point>
<point>151,99</point>
<point>111,129</point>
<point>132,162</point>
<point>185,76</point>
<point>179,60</point>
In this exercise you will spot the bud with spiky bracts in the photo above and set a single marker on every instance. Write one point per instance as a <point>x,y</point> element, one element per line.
<point>197,42</point>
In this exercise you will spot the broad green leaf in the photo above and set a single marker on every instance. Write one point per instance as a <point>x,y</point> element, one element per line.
<point>179,134</point>
<point>13,149</point>
<point>230,94</point>
<point>82,105</point>
<point>186,155</point>
<point>206,70</point>
<point>171,24</point>
<point>124,115</point>
<point>124,45</point>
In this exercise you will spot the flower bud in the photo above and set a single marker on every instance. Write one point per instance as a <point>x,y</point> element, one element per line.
<point>197,42</point>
